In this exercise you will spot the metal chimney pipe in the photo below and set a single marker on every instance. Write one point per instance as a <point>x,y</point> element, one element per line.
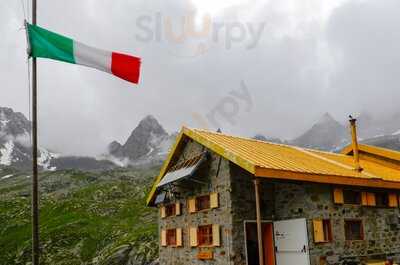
<point>353,127</point>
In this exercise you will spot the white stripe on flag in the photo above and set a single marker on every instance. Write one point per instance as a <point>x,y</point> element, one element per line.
<point>92,57</point>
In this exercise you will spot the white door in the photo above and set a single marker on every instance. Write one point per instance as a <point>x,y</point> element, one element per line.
<point>291,242</point>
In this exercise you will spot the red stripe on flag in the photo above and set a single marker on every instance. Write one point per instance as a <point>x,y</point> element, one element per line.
<point>126,67</point>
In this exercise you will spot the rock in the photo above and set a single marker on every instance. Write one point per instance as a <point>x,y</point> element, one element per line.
<point>148,142</point>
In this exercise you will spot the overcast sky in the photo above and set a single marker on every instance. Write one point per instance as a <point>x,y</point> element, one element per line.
<point>262,66</point>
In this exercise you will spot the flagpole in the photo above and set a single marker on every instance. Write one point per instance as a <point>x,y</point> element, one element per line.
<point>35,192</point>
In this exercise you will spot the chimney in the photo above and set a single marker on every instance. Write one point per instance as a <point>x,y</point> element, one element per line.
<point>354,142</point>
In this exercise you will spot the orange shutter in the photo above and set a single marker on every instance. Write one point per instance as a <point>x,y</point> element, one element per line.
<point>162,212</point>
<point>192,205</point>
<point>371,199</point>
<point>163,238</point>
<point>338,196</point>
<point>179,237</point>
<point>178,208</point>
<point>216,235</point>
<point>393,202</point>
<point>364,198</point>
<point>214,203</point>
<point>318,231</point>
<point>193,236</point>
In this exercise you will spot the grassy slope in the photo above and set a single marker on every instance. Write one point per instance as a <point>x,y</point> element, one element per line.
<point>85,217</point>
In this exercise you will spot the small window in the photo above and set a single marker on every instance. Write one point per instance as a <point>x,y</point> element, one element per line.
<point>327,230</point>
<point>205,235</point>
<point>352,197</point>
<point>382,199</point>
<point>170,210</point>
<point>171,237</point>
<point>203,203</point>
<point>354,230</point>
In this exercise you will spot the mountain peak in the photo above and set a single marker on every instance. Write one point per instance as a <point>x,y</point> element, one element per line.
<point>147,139</point>
<point>325,134</point>
<point>326,118</point>
<point>150,124</point>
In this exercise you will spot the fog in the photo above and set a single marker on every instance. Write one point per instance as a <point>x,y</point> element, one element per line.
<point>270,67</point>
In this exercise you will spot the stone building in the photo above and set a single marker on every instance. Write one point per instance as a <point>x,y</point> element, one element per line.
<point>221,197</point>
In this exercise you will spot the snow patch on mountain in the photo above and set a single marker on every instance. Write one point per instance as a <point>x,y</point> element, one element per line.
<point>396,132</point>
<point>45,158</point>
<point>6,153</point>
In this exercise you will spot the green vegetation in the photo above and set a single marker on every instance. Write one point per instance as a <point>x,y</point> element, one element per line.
<point>85,218</point>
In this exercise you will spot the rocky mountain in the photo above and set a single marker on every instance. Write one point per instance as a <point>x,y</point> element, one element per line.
<point>330,135</point>
<point>15,144</point>
<point>16,150</point>
<point>325,134</point>
<point>148,142</point>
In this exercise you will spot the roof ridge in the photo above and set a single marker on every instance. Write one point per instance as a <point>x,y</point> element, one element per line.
<point>236,136</point>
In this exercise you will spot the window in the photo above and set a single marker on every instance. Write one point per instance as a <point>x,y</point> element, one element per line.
<point>205,235</point>
<point>352,197</point>
<point>322,231</point>
<point>203,202</point>
<point>327,230</point>
<point>170,210</point>
<point>382,199</point>
<point>171,237</point>
<point>354,230</point>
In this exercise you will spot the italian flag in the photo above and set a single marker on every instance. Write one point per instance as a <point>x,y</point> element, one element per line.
<point>47,44</point>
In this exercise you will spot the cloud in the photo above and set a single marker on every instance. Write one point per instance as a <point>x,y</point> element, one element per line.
<point>312,57</point>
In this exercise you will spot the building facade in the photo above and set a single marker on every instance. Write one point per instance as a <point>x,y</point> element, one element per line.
<point>207,200</point>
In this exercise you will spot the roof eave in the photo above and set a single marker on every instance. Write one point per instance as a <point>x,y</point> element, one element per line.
<point>279,174</point>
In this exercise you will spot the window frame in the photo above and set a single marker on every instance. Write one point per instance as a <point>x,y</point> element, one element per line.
<point>170,210</point>
<point>328,235</point>
<point>362,234</point>
<point>199,201</point>
<point>359,196</point>
<point>201,237</point>
<point>385,198</point>
<point>169,236</point>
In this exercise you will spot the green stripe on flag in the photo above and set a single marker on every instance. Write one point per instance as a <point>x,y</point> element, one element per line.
<point>47,44</point>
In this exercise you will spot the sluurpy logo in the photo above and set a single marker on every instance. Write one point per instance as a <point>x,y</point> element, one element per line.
<point>227,109</point>
<point>197,34</point>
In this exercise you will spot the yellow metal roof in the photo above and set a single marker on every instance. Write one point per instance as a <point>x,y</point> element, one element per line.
<point>378,151</point>
<point>278,161</point>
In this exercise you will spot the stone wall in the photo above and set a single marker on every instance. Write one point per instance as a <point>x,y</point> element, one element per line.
<point>222,215</point>
<point>282,200</point>
<point>381,240</point>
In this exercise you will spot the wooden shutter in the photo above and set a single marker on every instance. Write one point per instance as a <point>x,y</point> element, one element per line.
<point>179,237</point>
<point>192,205</point>
<point>163,237</point>
<point>338,196</point>
<point>178,208</point>
<point>318,226</point>
<point>193,236</point>
<point>216,235</point>
<point>393,202</point>
<point>162,212</point>
<point>214,203</point>
<point>364,198</point>
<point>371,199</point>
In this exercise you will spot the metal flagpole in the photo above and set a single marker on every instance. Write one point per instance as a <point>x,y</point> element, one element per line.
<point>35,192</point>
